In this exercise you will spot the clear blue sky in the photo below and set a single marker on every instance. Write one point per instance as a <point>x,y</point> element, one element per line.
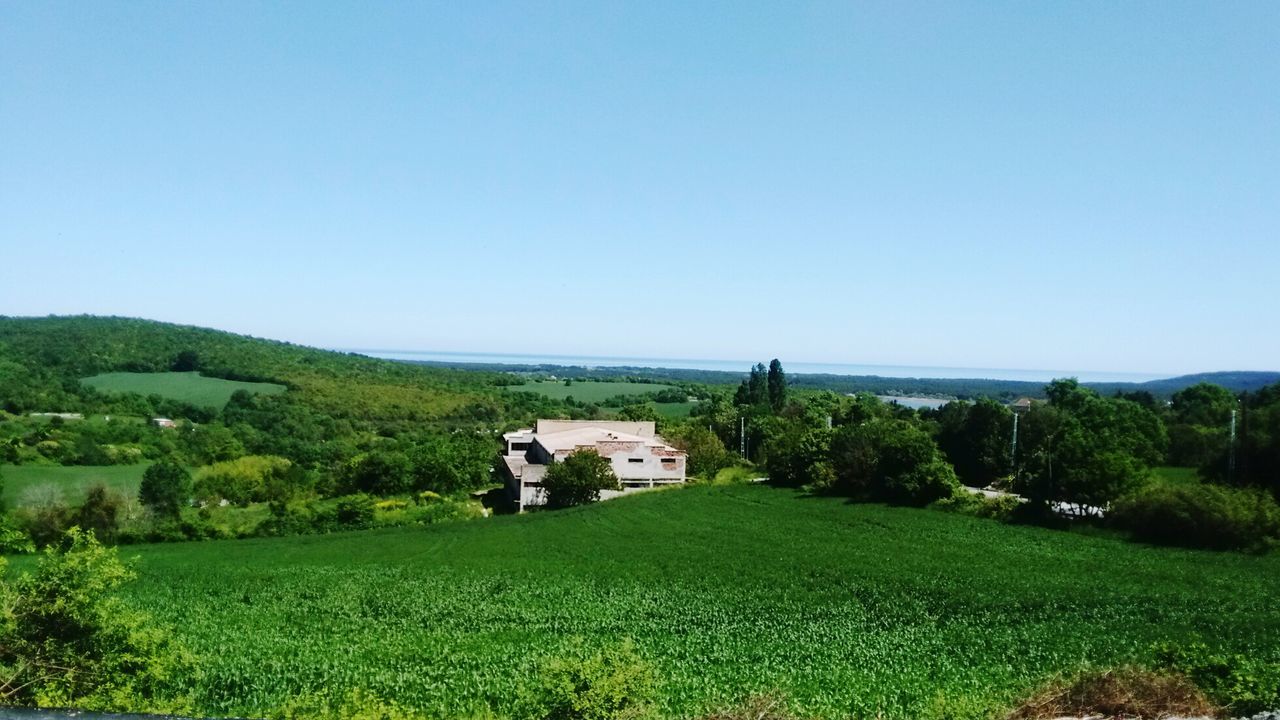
<point>1075,185</point>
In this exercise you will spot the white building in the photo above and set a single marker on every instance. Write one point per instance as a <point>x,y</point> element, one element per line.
<point>640,458</point>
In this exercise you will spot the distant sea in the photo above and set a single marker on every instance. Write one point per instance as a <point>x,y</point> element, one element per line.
<point>900,371</point>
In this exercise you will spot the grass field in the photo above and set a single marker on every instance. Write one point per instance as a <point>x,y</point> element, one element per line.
<point>189,387</point>
<point>22,482</point>
<point>1176,475</point>
<point>859,610</point>
<point>588,391</point>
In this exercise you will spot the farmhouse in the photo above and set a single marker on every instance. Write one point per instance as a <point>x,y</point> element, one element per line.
<point>639,456</point>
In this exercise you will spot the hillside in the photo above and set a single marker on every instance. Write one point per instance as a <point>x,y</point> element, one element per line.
<point>48,353</point>
<point>859,609</point>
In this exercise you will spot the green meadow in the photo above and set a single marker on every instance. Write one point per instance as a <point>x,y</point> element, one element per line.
<point>588,391</point>
<point>846,610</point>
<point>26,483</point>
<point>188,387</point>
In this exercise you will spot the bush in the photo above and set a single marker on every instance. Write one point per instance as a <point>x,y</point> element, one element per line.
<point>354,705</point>
<point>100,513</point>
<point>1240,684</point>
<point>1000,508</point>
<point>66,640</point>
<point>614,683</point>
<point>355,509</point>
<point>243,480</point>
<point>1199,516</point>
<point>44,523</point>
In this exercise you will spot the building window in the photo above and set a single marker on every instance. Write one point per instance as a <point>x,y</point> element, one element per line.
<point>635,460</point>
<point>668,462</point>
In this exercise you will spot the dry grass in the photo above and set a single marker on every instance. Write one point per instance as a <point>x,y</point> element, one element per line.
<point>759,707</point>
<point>1129,693</point>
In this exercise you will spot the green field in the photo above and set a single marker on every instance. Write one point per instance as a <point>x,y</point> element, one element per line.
<point>728,590</point>
<point>1176,475</point>
<point>23,483</point>
<point>188,387</point>
<point>588,391</point>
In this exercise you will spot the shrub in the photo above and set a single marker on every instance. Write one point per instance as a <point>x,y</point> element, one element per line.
<point>614,683</point>
<point>1000,508</point>
<point>100,513</point>
<point>353,705</point>
<point>391,505</point>
<point>1241,684</point>
<point>355,509</point>
<point>68,641</point>
<point>45,522</point>
<point>241,481</point>
<point>1200,516</point>
<point>1120,693</point>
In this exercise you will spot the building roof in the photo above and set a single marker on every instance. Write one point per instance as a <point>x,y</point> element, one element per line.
<point>578,437</point>
<point>643,428</point>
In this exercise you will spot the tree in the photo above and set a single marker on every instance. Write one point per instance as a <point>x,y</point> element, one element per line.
<point>578,479</point>
<point>67,640</point>
<point>890,460</point>
<point>758,385</point>
<point>706,453</point>
<point>165,488</point>
<point>99,513</point>
<point>377,472</point>
<point>187,361</point>
<point>777,384</point>
<point>451,463</point>
<point>976,438</point>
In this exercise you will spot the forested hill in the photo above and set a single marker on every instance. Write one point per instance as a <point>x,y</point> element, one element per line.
<point>43,360</point>
<point>1235,381</point>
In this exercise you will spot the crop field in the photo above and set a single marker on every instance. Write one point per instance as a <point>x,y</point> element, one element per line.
<point>588,391</point>
<point>188,387</point>
<point>848,610</point>
<point>23,484</point>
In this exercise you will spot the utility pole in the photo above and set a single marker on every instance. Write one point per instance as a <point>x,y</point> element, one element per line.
<point>742,436</point>
<point>1013,449</point>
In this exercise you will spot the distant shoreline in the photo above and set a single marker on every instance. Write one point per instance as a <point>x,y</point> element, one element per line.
<point>806,368</point>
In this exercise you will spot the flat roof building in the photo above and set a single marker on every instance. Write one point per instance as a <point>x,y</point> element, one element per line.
<point>640,458</point>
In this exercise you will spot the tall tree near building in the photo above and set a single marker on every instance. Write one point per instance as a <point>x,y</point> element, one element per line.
<point>777,383</point>
<point>758,385</point>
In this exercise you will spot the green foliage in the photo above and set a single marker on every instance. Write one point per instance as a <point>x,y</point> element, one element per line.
<point>99,514</point>
<point>800,457</point>
<point>251,478</point>
<point>356,510</point>
<point>706,454</point>
<point>1242,684</point>
<point>165,488</point>
<point>777,386</point>
<point>352,705</point>
<point>451,463</point>
<point>977,439</point>
<point>726,590</point>
<point>1002,508</point>
<point>67,640</point>
<point>377,472</point>
<point>1085,449</point>
<point>890,460</point>
<point>1201,516</point>
<point>613,683</point>
<point>578,479</point>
